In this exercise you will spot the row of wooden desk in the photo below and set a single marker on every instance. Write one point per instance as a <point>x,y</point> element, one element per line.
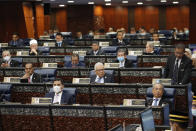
<point>20,117</point>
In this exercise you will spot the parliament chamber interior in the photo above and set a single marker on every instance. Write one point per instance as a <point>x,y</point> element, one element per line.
<point>97,65</point>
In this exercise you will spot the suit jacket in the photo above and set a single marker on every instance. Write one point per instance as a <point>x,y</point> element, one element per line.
<point>107,78</point>
<point>162,101</point>
<point>100,52</point>
<point>184,71</point>
<point>80,64</point>
<point>144,53</point>
<point>128,63</point>
<point>62,45</point>
<point>36,78</point>
<point>65,98</point>
<point>116,43</point>
<point>18,43</point>
<point>13,63</point>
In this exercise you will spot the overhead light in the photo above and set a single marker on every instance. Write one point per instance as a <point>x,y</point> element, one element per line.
<point>70,1</point>
<point>107,0</point>
<point>61,5</point>
<point>91,3</point>
<point>175,2</point>
<point>107,4</point>
<point>125,2</point>
<point>163,1</point>
<point>140,3</point>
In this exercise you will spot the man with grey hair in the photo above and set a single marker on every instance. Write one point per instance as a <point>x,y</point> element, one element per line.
<point>149,49</point>
<point>158,99</point>
<point>7,61</point>
<point>100,75</point>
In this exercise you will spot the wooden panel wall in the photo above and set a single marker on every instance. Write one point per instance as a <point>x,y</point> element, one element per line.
<point>11,22</point>
<point>47,23</point>
<point>115,17</point>
<point>147,17</point>
<point>39,19</point>
<point>192,24</point>
<point>61,19</point>
<point>177,17</point>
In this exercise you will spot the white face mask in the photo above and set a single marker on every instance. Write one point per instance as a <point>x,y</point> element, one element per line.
<point>56,89</point>
<point>194,112</point>
<point>6,58</point>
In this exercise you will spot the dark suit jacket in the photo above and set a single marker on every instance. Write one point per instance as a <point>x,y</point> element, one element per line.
<point>185,68</point>
<point>36,78</point>
<point>144,53</point>
<point>116,43</point>
<point>128,63</point>
<point>107,78</point>
<point>18,43</point>
<point>65,98</point>
<point>62,45</point>
<point>100,52</point>
<point>162,101</point>
<point>13,63</point>
<point>80,64</point>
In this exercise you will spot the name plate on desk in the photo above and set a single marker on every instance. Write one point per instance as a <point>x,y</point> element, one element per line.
<point>22,53</point>
<point>41,100</point>
<point>134,102</point>
<point>104,44</point>
<point>49,44</point>
<point>155,43</point>
<point>162,81</point>
<point>44,37</point>
<point>49,65</point>
<point>11,79</point>
<point>81,81</point>
<point>80,53</point>
<point>135,53</point>
<point>3,44</point>
<point>111,65</point>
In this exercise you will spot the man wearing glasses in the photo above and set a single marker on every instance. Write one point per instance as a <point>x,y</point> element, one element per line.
<point>100,75</point>
<point>178,66</point>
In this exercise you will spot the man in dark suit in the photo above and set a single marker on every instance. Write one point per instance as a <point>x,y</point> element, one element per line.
<point>119,41</point>
<point>7,61</point>
<point>16,41</point>
<point>59,40</point>
<point>31,75</point>
<point>178,66</point>
<point>149,49</point>
<point>59,96</point>
<point>74,63</point>
<point>79,35</point>
<point>157,99</point>
<point>122,59</point>
<point>100,76</point>
<point>34,48</point>
<point>96,50</point>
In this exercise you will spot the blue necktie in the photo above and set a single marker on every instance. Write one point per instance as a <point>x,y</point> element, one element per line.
<point>99,80</point>
<point>155,102</point>
<point>59,44</point>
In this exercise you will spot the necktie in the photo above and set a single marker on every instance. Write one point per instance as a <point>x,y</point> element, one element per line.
<point>59,44</point>
<point>29,81</point>
<point>175,73</point>
<point>155,102</point>
<point>99,80</point>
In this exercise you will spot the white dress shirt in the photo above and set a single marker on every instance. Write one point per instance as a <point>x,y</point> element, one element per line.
<point>57,98</point>
<point>179,61</point>
<point>122,64</point>
<point>157,101</point>
<point>95,52</point>
<point>98,80</point>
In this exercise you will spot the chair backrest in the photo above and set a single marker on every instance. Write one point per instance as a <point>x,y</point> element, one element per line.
<point>71,92</point>
<point>44,50</point>
<point>158,50</point>
<point>48,75</point>
<point>133,59</point>
<point>19,60</point>
<point>110,72</point>
<point>110,50</point>
<point>5,92</point>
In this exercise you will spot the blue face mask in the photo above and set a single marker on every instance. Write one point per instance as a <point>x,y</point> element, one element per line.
<point>120,59</point>
<point>194,112</point>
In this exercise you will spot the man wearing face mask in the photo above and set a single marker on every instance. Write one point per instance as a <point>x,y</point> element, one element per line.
<point>7,61</point>
<point>59,96</point>
<point>179,121</point>
<point>122,59</point>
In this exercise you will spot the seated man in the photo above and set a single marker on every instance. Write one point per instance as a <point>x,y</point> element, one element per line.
<point>178,121</point>
<point>122,59</point>
<point>100,75</point>
<point>59,40</point>
<point>7,61</point>
<point>158,100</point>
<point>16,41</point>
<point>119,41</point>
<point>34,48</point>
<point>79,35</point>
<point>155,37</point>
<point>75,62</point>
<point>149,49</point>
<point>59,96</point>
<point>96,50</point>
<point>30,75</point>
